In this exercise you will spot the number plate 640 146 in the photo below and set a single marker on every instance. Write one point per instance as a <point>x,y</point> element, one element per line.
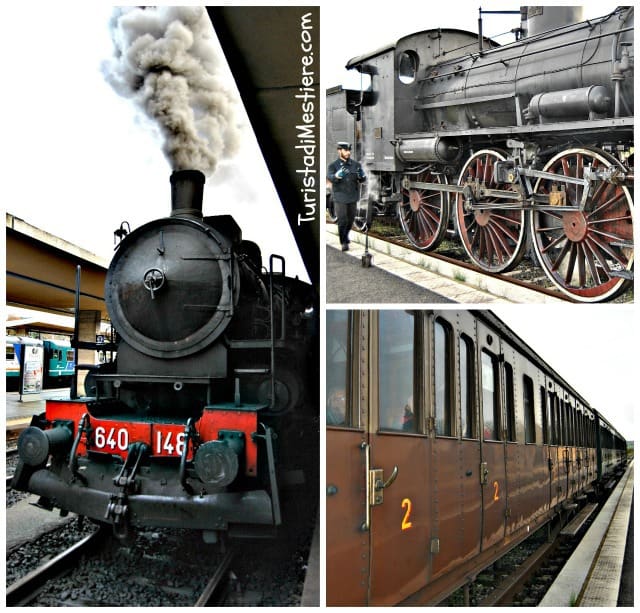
<point>163,440</point>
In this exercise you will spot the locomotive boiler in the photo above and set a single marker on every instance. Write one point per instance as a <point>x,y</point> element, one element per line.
<point>212,389</point>
<point>530,142</point>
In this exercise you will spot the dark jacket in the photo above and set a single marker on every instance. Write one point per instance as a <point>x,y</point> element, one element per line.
<point>346,189</point>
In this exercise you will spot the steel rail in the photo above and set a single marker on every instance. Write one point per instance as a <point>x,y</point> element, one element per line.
<point>26,589</point>
<point>212,591</point>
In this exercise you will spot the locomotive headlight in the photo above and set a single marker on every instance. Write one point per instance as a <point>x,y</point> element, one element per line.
<point>216,463</point>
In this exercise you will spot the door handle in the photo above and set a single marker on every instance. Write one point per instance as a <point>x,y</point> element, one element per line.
<point>377,484</point>
<point>381,485</point>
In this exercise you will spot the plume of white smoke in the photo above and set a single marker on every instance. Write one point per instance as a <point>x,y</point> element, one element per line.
<point>166,60</point>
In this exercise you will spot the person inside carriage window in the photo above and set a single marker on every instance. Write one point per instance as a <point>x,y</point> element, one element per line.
<point>345,176</point>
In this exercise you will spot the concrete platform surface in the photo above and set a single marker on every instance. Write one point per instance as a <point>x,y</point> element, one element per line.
<point>432,274</point>
<point>20,409</point>
<point>26,522</point>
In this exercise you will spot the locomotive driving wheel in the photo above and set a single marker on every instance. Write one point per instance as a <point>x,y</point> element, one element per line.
<point>587,254</point>
<point>424,213</point>
<point>493,237</point>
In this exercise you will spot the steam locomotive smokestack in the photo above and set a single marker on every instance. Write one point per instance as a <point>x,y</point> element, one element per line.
<point>186,193</point>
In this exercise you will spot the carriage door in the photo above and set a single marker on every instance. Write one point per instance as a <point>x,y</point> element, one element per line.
<point>398,491</point>
<point>347,542</point>
<point>492,465</point>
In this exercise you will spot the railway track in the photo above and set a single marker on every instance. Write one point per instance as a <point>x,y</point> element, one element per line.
<point>66,566</point>
<point>26,590</point>
<point>527,275</point>
<point>98,571</point>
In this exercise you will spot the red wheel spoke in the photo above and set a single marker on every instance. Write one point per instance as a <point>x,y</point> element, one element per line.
<point>507,231</point>
<point>573,248</point>
<point>606,204</point>
<point>613,254</point>
<point>582,276</point>
<point>590,257</point>
<point>561,255</point>
<point>595,249</point>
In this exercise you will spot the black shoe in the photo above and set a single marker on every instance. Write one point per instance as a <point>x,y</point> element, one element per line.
<point>345,247</point>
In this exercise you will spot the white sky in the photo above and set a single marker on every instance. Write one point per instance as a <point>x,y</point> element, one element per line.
<point>356,30</point>
<point>78,159</point>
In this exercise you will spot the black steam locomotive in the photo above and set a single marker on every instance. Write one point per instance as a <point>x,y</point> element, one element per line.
<point>212,395</point>
<point>530,142</point>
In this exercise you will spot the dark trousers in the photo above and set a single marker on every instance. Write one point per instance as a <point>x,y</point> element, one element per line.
<point>345,213</point>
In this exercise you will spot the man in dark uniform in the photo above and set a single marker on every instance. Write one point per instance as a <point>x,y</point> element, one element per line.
<point>345,176</point>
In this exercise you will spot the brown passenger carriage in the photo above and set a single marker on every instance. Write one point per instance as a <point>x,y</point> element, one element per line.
<point>449,441</point>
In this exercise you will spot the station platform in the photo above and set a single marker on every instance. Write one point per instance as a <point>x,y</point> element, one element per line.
<point>427,279</point>
<point>593,574</point>
<point>311,590</point>
<point>20,410</point>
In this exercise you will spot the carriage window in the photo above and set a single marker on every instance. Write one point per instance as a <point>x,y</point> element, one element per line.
<point>511,412</point>
<point>442,370</point>
<point>70,355</point>
<point>529,410</point>
<point>467,387</point>
<point>490,404</point>
<point>397,371</point>
<point>545,417</point>
<point>408,67</point>
<point>338,367</point>
<point>578,424</point>
<point>571,426</point>
<point>553,424</point>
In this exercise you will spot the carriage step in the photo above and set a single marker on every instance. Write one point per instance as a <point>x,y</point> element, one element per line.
<point>569,506</point>
<point>571,529</point>
<point>622,274</point>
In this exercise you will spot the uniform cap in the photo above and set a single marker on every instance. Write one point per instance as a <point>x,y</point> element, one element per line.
<point>344,145</point>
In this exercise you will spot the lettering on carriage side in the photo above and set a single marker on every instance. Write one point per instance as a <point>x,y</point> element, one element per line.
<point>406,524</point>
<point>496,490</point>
